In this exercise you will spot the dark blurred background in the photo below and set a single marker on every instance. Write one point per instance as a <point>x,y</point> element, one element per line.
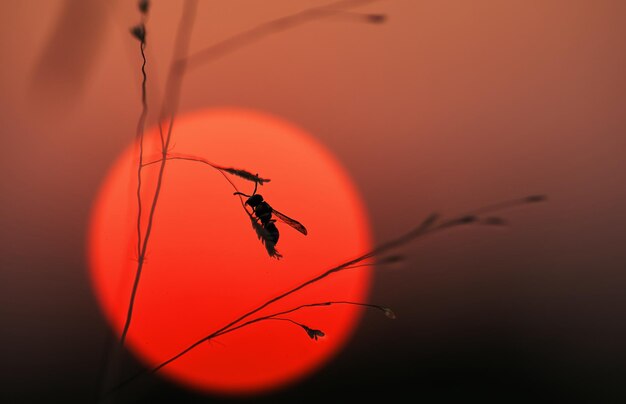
<point>447,106</point>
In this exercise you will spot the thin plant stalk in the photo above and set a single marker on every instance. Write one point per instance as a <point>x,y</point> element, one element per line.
<point>274,316</point>
<point>385,310</point>
<point>170,104</point>
<point>238,172</point>
<point>140,34</point>
<point>140,136</point>
<point>428,226</point>
<point>275,26</point>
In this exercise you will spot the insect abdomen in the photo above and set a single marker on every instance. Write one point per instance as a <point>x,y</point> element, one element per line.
<point>272,232</point>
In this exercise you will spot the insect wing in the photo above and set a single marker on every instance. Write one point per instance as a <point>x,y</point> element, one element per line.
<point>291,222</point>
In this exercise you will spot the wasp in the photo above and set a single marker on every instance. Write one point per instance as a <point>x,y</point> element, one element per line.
<point>264,223</point>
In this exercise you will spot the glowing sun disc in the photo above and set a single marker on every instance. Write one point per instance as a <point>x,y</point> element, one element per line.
<point>206,267</point>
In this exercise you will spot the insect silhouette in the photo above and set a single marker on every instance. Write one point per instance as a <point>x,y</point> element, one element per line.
<point>263,221</point>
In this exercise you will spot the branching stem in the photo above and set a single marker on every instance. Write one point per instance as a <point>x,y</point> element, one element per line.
<point>428,226</point>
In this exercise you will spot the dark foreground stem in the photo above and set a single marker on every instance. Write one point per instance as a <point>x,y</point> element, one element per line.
<point>140,135</point>
<point>140,34</point>
<point>385,310</point>
<point>170,105</point>
<point>426,227</point>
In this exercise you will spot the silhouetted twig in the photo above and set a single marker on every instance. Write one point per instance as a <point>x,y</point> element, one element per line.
<point>169,106</point>
<point>313,333</point>
<point>261,232</point>
<point>247,175</point>
<point>428,226</point>
<point>140,33</point>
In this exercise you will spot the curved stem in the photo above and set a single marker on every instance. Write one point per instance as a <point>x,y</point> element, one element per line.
<point>220,169</point>
<point>140,134</point>
<point>426,227</point>
<point>171,97</point>
<point>274,316</point>
<point>282,313</point>
<point>278,25</point>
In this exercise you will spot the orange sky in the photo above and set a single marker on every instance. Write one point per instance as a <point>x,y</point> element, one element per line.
<point>448,106</point>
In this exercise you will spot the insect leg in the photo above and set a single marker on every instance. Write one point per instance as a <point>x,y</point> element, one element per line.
<point>256,184</point>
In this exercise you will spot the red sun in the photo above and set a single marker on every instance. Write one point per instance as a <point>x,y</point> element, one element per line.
<point>205,266</point>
